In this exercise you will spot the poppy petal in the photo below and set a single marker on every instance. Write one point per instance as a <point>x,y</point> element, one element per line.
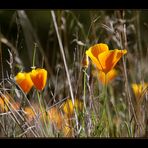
<point>24,81</point>
<point>110,58</point>
<point>109,76</point>
<point>39,78</point>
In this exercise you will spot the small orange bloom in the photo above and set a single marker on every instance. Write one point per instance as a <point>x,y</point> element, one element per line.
<point>55,117</point>
<point>103,58</point>
<point>39,78</point>
<point>109,76</point>
<point>24,81</point>
<point>68,107</point>
<point>29,113</point>
<point>139,89</point>
<point>4,103</point>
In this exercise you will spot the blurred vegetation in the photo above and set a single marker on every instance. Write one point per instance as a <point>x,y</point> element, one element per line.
<point>72,23</point>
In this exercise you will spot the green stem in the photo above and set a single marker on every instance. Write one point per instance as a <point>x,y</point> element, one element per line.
<point>34,54</point>
<point>65,65</point>
<point>42,111</point>
<point>128,129</point>
<point>107,106</point>
<point>84,90</point>
<point>106,111</point>
<point>103,113</point>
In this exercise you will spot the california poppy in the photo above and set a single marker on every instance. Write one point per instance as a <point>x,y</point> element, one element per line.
<point>105,79</point>
<point>68,107</point>
<point>103,58</point>
<point>1,105</point>
<point>30,115</point>
<point>55,117</point>
<point>139,89</point>
<point>39,78</point>
<point>4,99</point>
<point>24,81</point>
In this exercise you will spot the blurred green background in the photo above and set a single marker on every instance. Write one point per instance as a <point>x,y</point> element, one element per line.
<point>22,30</point>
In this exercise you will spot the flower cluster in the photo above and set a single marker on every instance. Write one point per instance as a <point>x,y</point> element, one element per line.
<point>37,78</point>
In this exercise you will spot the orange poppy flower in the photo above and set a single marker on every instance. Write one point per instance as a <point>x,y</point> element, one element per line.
<point>24,81</point>
<point>103,58</point>
<point>112,74</point>
<point>39,78</point>
<point>139,89</point>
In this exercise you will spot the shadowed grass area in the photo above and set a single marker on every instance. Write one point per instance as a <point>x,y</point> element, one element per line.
<point>51,87</point>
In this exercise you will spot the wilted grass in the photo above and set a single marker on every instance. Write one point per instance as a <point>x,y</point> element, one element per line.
<point>77,99</point>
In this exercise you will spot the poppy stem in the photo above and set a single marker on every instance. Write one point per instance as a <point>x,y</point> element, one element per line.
<point>84,90</point>
<point>34,54</point>
<point>107,110</point>
<point>42,111</point>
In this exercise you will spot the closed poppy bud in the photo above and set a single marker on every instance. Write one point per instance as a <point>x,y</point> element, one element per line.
<point>39,78</point>
<point>85,61</point>
<point>24,81</point>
